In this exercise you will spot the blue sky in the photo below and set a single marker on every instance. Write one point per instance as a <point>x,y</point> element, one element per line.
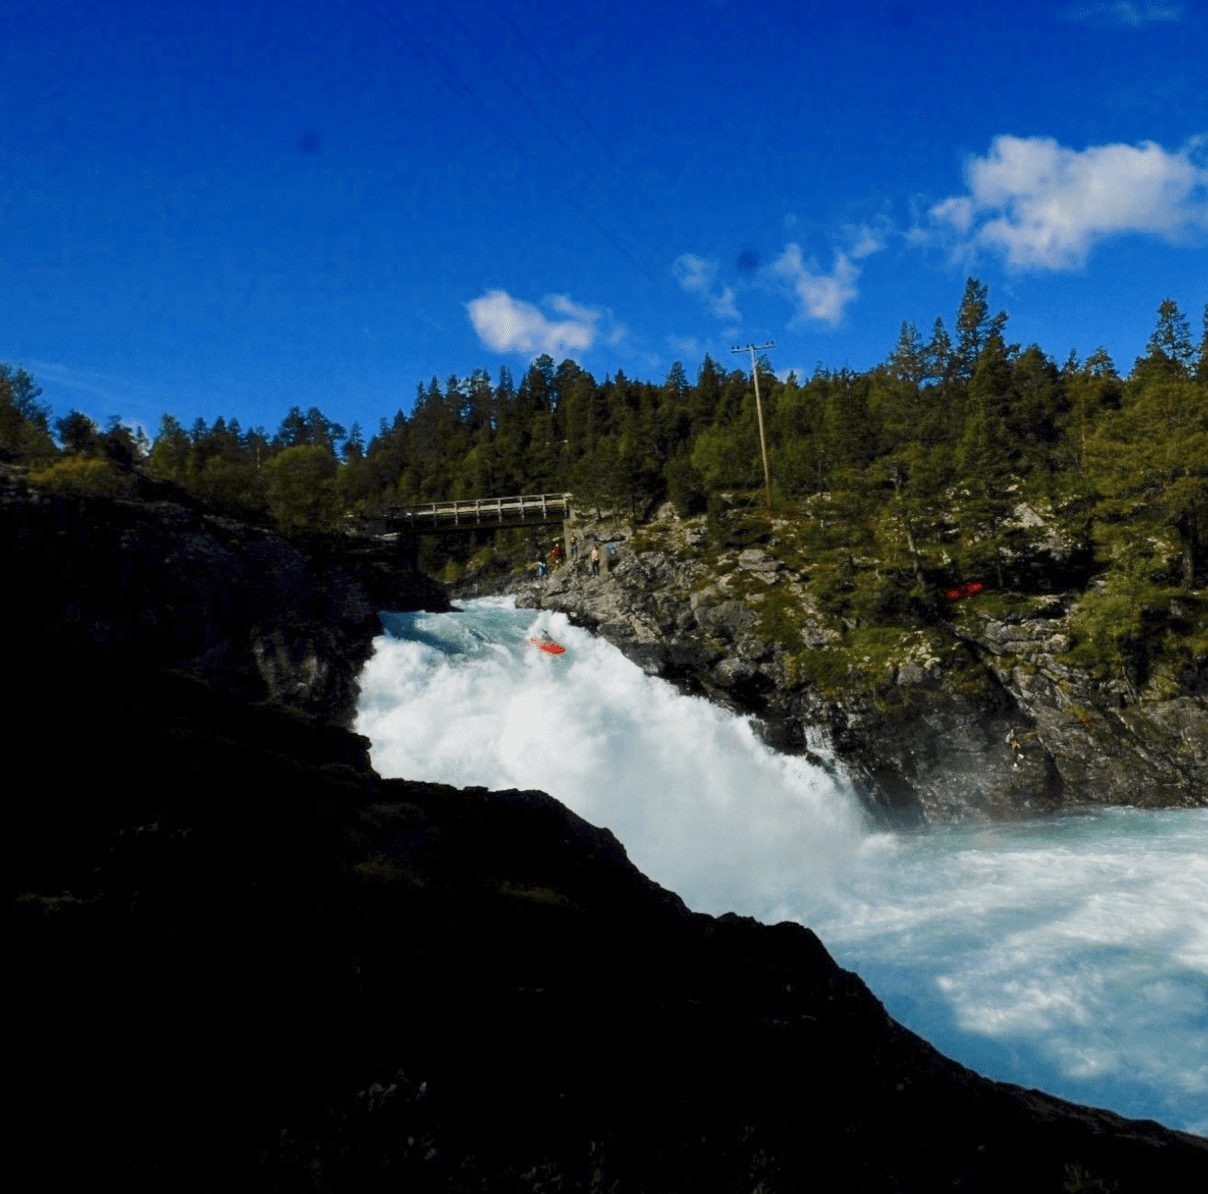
<point>231,208</point>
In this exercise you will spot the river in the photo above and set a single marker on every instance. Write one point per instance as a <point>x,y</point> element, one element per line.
<point>1069,954</point>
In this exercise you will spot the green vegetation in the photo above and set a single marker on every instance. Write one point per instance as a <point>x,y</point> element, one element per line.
<point>301,488</point>
<point>963,456</point>
<point>24,421</point>
<point>92,477</point>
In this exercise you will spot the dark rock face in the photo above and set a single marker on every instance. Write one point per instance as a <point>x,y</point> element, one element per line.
<point>1002,724</point>
<point>240,960</point>
<point>1107,742</point>
<point>172,585</point>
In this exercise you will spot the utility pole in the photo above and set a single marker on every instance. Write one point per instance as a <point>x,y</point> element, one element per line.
<point>763,445</point>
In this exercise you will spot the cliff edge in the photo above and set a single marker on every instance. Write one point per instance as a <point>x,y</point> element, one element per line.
<point>241,960</point>
<point>991,706</point>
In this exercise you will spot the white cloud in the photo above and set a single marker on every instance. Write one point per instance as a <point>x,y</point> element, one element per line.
<point>96,385</point>
<point>1044,206</point>
<point>507,324</point>
<point>685,346</point>
<point>819,296</point>
<point>565,305</point>
<point>867,239</point>
<point>105,394</point>
<point>1122,12</point>
<point>816,294</point>
<point>698,276</point>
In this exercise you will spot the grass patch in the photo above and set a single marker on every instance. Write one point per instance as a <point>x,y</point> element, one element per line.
<point>546,896</point>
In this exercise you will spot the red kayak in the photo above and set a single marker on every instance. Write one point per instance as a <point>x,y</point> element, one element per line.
<point>548,645</point>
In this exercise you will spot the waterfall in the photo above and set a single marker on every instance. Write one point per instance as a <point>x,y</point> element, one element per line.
<point>1069,954</point>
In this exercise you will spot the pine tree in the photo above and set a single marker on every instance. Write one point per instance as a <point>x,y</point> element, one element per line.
<point>354,445</point>
<point>294,430</point>
<point>984,459</point>
<point>1201,362</point>
<point>78,434</point>
<point>1150,463</point>
<point>972,325</point>
<point>706,397</point>
<point>938,361</point>
<point>908,361</point>
<point>1039,405</point>
<point>172,452</point>
<point>24,421</point>
<point>1169,351</point>
<point>1094,389</point>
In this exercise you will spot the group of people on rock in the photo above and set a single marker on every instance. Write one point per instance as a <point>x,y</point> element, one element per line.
<point>553,558</point>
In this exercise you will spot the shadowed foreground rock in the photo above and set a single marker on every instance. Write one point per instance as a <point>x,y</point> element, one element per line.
<point>239,959</point>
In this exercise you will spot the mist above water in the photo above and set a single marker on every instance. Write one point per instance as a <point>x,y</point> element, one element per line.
<point>1069,954</point>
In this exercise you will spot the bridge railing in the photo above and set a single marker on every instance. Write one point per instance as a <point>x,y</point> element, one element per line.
<point>537,506</point>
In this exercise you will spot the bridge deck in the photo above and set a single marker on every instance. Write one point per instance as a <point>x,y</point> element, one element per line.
<point>533,508</point>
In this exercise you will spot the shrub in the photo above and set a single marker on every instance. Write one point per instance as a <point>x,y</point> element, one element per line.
<point>78,474</point>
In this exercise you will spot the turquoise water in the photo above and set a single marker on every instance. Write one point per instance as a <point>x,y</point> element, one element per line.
<point>1069,954</point>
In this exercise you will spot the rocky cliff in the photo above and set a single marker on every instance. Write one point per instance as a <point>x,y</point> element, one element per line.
<point>240,960</point>
<point>981,708</point>
<point>162,581</point>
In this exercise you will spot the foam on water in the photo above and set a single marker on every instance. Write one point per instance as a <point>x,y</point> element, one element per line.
<point>1070,954</point>
<point>699,803</point>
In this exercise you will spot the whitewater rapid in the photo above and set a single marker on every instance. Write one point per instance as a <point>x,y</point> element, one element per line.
<point>1069,954</point>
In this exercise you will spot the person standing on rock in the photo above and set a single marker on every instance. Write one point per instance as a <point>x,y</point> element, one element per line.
<point>612,556</point>
<point>595,559</point>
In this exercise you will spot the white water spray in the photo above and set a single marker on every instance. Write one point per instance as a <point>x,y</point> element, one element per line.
<point>701,805</point>
<point>1069,954</point>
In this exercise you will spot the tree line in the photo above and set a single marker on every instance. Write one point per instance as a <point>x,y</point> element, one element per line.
<point>920,460</point>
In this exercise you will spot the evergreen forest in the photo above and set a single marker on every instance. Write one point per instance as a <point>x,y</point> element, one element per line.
<point>916,470</point>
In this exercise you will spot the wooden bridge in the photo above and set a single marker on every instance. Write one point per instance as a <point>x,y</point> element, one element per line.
<point>529,509</point>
